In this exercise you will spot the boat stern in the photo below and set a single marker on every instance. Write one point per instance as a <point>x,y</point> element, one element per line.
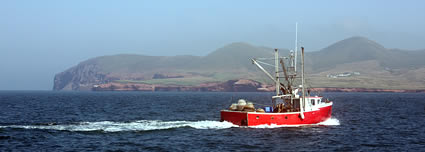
<point>235,117</point>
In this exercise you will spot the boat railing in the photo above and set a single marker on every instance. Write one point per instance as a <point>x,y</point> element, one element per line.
<point>281,96</point>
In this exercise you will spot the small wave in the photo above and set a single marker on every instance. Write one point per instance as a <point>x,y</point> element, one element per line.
<point>140,125</point>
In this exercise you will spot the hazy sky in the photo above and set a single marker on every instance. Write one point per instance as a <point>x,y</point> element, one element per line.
<point>41,38</point>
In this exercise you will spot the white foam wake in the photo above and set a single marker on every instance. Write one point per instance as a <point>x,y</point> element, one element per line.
<point>329,122</point>
<point>274,126</point>
<point>140,125</point>
<point>146,125</point>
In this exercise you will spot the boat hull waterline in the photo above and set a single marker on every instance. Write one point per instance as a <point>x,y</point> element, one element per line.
<point>242,118</point>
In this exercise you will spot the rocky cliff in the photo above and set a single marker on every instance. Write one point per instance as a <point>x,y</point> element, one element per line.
<point>81,77</point>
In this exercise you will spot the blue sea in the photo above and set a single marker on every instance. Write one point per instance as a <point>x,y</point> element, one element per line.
<point>189,121</point>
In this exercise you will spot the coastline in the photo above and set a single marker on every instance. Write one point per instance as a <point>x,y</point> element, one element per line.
<point>233,86</point>
<point>367,90</point>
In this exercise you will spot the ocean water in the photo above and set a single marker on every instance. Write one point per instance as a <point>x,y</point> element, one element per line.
<point>189,121</point>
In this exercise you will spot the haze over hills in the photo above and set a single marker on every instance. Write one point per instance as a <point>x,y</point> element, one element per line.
<point>354,62</point>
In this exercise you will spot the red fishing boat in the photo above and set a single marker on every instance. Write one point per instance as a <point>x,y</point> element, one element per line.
<point>292,105</point>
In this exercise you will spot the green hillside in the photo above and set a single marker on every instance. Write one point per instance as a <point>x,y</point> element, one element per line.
<point>133,63</point>
<point>234,56</point>
<point>357,49</point>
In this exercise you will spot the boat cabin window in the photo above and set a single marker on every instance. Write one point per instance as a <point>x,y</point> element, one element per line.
<point>319,101</point>
<point>312,102</point>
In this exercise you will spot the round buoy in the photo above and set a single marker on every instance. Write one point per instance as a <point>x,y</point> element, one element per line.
<point>241,104</point>
<point>233,107</point>
<point>250,105</point>
<point>260,110</point>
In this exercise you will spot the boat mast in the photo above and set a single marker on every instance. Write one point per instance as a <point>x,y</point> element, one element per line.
<point>288,89</point>
<point>296,46</point>
<point>276,64</point>
<point>302,84</point>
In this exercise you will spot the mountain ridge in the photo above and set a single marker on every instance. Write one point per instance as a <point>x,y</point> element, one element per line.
<point>232,62</point>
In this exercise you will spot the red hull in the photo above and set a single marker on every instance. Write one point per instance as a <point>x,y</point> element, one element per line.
<point>293,118</point>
